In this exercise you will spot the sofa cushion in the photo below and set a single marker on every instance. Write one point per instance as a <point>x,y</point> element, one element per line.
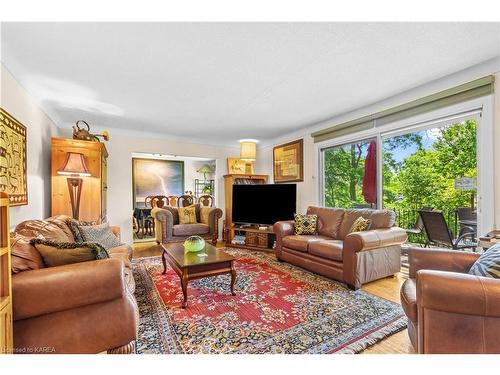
<point>329,220</point>
<point>488,264</point>
<point>187,215</point>
<point>102,234</point>
<point>379,219</point>
<point>62,222</point>
<point>205,215</point>
<point>330,249</point>
<point>43,229</point>
<point>190,229</point>
<point>305,224</point>
<point>302,242</point>
<point>360,224</point>
<point>24,255</point>
<point>409,299</point>
<point>61,253</point>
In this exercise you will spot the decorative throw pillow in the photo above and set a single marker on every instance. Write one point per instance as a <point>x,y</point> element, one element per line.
<point>101,234</point>
<point>488,264</point>
<point>187,215</point>
<point>360,224</point>
<point>61,253</point>
<point>74,225</point>
<point>204,214</point>
<point>305,224</point>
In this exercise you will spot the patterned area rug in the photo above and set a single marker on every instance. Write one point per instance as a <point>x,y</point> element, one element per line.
<point>279,308</point>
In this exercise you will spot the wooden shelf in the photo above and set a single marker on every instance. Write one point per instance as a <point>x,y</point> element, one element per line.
<point>238,246</point>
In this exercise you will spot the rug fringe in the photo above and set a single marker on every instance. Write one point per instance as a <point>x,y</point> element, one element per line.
<point>374,337</point>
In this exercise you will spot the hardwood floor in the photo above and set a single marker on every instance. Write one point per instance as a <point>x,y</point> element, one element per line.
<point>387,288</point>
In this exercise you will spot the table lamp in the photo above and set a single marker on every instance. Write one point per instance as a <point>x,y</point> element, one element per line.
<point>75,167</point>
<point>248,153</point>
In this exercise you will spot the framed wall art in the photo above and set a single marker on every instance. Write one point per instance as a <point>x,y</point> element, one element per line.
<point>288,162</point>
<point>238,166</point>
<point>156,177</point>
<point>13,179</point>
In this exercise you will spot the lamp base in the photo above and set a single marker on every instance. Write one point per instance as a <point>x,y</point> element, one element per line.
<point>75,193</point>
<point>249,168</point>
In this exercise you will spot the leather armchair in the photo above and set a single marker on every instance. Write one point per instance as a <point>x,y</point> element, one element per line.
<point>66,309</point>
<point>168,228</point>
<point>450,311</point>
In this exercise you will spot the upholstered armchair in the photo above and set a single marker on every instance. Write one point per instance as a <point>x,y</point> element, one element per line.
<point>450,311</point>
<point>168,228</point>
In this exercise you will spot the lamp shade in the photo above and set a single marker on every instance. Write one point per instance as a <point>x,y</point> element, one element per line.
<point>248,150</point>
<point>205,168</point>
<point>74,165</point>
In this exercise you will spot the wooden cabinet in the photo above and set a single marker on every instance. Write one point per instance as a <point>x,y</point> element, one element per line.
<point>94,190</point>
<point>252,241</point>
<point>6,340</point>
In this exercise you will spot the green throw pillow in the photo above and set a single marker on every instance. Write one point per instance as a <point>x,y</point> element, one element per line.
<point>488,264</point>
<point>306,224</point>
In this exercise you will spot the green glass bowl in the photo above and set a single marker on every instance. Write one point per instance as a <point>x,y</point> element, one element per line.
<point>194,244</point>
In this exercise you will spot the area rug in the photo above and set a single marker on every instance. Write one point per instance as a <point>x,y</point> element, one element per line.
<point>278,308</point>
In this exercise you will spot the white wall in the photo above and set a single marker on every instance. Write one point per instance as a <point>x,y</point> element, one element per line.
<point>121,148</point>
<point>40,128</point>
<point>308,191</point>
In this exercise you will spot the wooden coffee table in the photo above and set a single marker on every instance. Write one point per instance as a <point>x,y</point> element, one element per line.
<point>190,266</point>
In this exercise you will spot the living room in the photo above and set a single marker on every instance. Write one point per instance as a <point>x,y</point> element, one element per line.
<point>250,188</point>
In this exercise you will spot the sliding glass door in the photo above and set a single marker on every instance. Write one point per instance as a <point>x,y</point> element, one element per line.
<point>432,168</point>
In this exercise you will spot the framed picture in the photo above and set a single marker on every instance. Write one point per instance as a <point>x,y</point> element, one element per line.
<point>288,162</point>
<point>156,177</point>
<point>238,166</point>
<point>13,180</point>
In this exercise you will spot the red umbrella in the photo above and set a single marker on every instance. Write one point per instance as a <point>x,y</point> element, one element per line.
<point>370,177</point>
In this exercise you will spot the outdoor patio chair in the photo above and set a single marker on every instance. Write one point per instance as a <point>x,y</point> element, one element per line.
<point>467,219</point>
<point>438,232</point>
<point>418,228</point>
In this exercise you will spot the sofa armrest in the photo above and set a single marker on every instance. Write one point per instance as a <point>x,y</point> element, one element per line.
<point>458,293</point>
<point>166,218</point>
<point>116,231</point>
<point>213,220</point>
<point>440,260</point>
<point>284,228</point>
<point>373,239</point>
<point>53,289</point>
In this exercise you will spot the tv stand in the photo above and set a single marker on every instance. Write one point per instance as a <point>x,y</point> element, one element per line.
<point>255,238</point>
<point>229,227</point>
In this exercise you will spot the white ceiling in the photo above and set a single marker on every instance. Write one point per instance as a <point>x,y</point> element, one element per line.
<point>220,82</point>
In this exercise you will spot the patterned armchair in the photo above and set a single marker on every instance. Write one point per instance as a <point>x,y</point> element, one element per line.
<point>168,228</point>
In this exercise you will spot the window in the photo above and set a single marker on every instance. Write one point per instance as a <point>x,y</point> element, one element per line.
<point>350,172</point>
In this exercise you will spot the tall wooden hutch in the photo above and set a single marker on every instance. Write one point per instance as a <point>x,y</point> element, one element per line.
<point>93,200</point>
<point>255,238</point>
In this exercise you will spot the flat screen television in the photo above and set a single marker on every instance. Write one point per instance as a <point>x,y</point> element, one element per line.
<point>263,204</point>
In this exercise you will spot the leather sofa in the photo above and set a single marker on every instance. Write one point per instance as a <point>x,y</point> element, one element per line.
<point>168,228</point>
<point>352,258</point>
<point>86,307</point>
<point>448,310</point>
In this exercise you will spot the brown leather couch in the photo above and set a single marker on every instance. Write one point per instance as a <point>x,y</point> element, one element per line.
<point>168,228</point>
<point>448,310</point>
<point>84,307</point>
<point>352,258</point>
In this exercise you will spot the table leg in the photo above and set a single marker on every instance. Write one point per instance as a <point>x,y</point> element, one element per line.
<point>184,284</point>
<point>233,279</point>
<point>164,262</point>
